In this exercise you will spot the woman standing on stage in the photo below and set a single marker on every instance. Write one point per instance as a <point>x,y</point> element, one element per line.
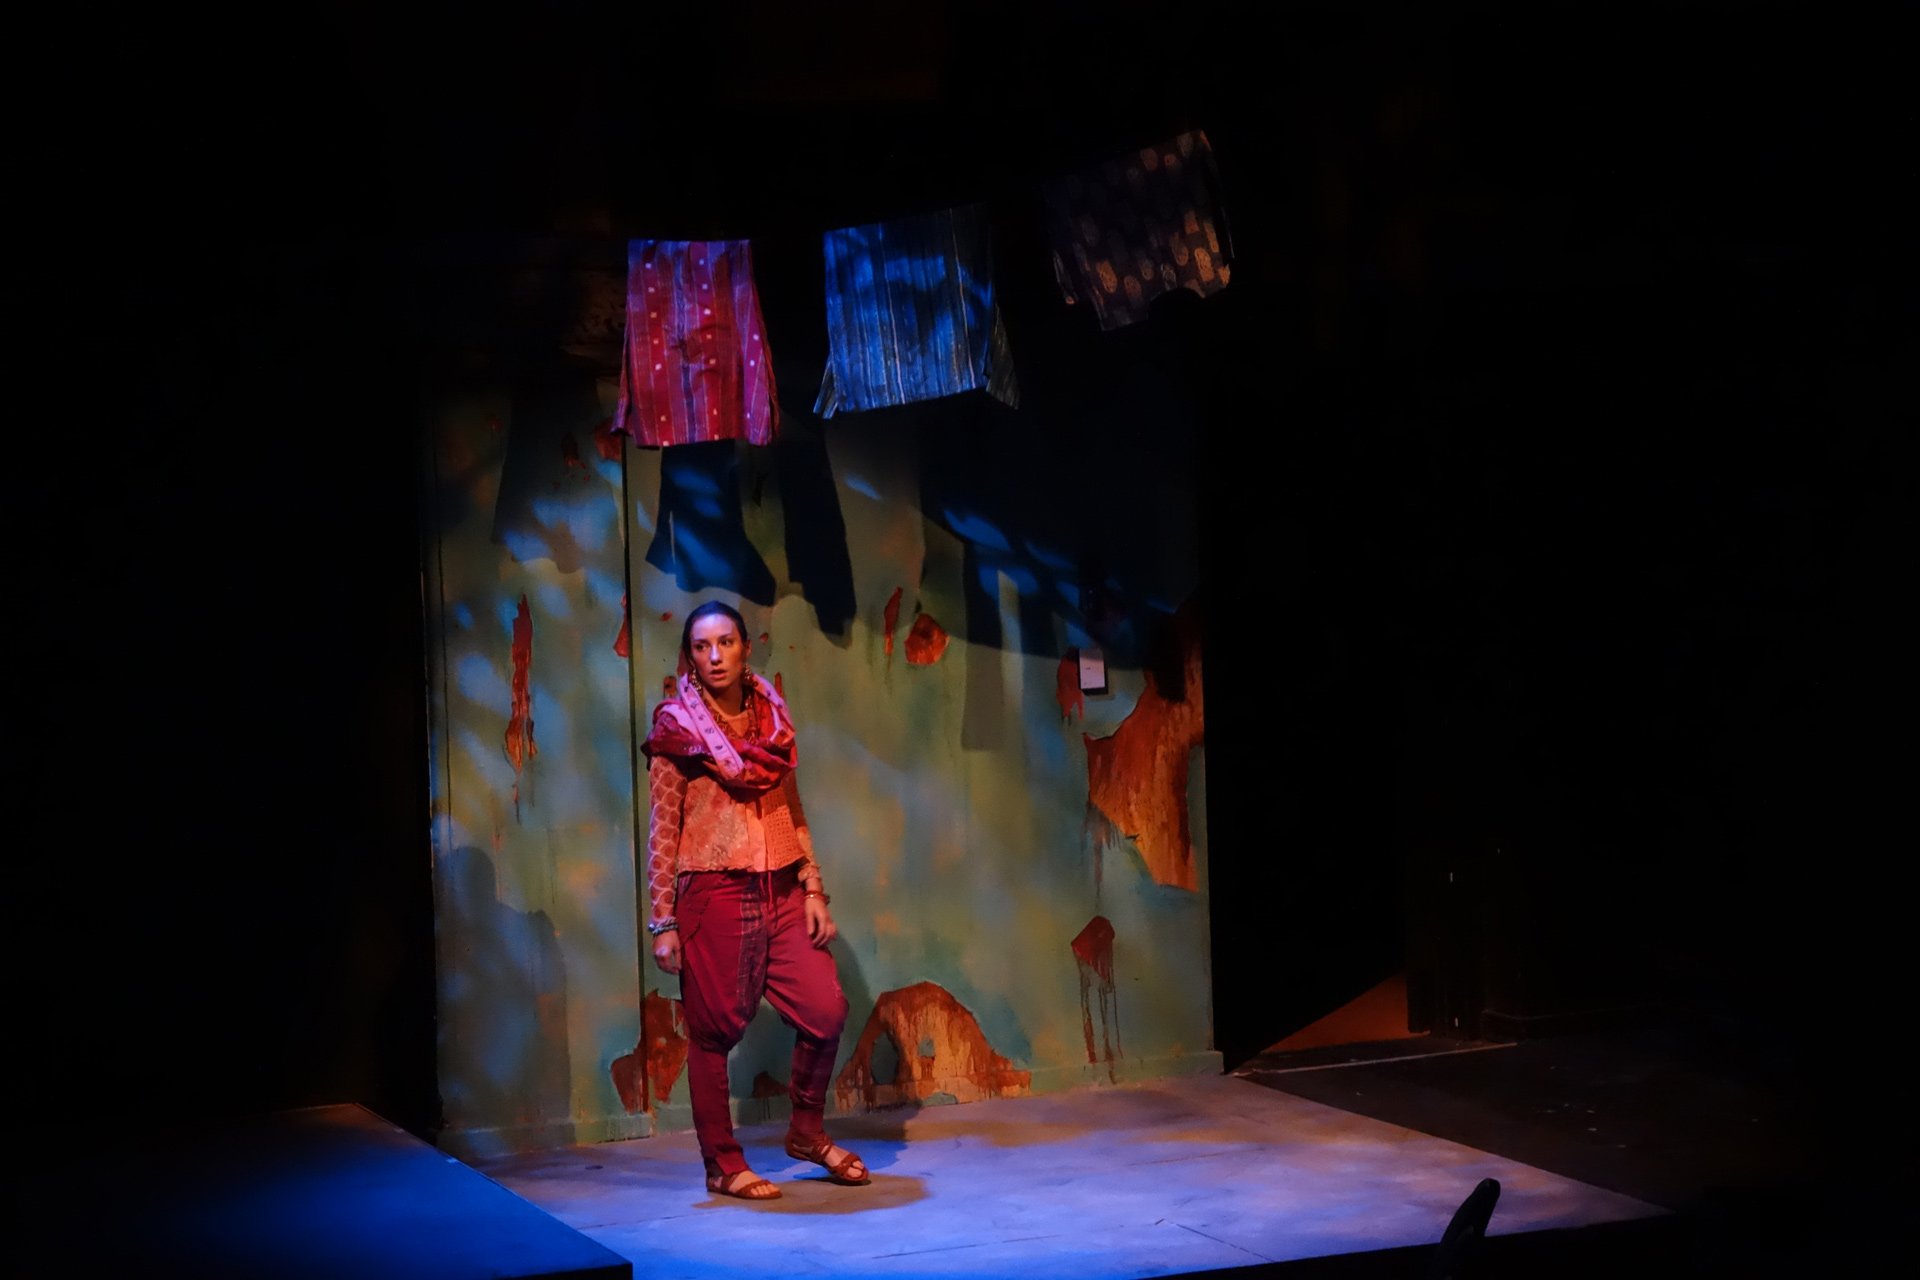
<point>736,903</point>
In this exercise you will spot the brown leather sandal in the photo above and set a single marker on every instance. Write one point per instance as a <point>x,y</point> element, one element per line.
<point>730,1184</point>
<point>848,1171</point>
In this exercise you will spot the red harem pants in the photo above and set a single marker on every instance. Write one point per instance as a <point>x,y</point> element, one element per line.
<point>743,935</point>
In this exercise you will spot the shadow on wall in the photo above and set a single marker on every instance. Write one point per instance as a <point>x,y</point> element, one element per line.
<point>1079,525</point>
<point>701,540</point>
<point>553,415</point>
<point>505,988</point>
<point>816,530</point>
<point>1087,512</point>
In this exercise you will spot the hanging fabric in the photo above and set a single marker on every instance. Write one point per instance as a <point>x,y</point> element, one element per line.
<point>696,366</point>
<point>1133,227</point>
<point>911,313</point>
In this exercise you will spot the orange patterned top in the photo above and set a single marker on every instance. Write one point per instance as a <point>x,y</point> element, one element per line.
<point>696,824</point>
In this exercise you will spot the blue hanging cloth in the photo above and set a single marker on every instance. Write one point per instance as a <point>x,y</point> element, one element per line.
<point>911,314</point>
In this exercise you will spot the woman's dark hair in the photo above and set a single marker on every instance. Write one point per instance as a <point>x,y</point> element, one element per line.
<point>708,610</point>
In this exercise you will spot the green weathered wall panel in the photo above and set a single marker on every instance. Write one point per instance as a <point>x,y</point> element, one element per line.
<point>533,867</point>
<point>949,802</point>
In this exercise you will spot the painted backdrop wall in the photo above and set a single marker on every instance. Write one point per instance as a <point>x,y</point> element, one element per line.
<point>1019,867</point>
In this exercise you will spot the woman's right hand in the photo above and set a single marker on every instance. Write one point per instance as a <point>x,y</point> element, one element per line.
<point>666,949</point>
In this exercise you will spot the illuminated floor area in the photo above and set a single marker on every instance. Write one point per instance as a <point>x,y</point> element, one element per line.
<point>1673,1146</point>
<point>1173,1177</point>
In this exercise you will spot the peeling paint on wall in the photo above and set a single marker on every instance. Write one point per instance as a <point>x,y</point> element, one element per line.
<point>926,641</point>
<point>658,1059</point>
<point>1067,688</point>
<point>608,442</point>
<point>1137,777</point>
<point>520,744</point>
<point>938,1047</point>
<point>630,1080</point>
<point>664,1024</point>
<point>892,618</point>
<point>1093,953</point>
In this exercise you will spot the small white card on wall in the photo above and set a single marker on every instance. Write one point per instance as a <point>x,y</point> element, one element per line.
<point>1093,671</point>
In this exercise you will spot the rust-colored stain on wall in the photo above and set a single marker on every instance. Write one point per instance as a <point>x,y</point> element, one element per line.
<point>938,1048</point>
<point>926,641</point>
<point>607,441</point>
<point>1137,777</point>
<point>1067,688</point>
<point>660,1056</point>
<point>570,453</point>
<point>623,643</point>
<point>765,1086</point>
<point>663,1038</point>
<point>1093,953</point>
<point>892,617</point>
<point>630,1081</point>
<point>520,744</point>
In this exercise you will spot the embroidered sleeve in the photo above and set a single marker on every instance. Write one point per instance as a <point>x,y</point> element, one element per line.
<point>666,803</point>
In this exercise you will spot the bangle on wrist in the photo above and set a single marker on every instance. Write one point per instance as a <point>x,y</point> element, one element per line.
<point>821,894</point>
<point>665,924</point>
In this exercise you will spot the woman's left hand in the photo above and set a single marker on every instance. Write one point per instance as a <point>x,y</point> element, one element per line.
<point>820,927</point>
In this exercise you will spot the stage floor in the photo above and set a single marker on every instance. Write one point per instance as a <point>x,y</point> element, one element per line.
<point>1162,1178</point>
<point>1677,1145</point>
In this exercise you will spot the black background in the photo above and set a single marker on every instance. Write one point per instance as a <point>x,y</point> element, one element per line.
<point>1551,515</point>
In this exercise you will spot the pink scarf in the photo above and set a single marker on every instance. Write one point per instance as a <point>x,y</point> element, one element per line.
<point>684,728</point>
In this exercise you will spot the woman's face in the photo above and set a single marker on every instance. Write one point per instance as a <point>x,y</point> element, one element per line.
<point>719,653</point>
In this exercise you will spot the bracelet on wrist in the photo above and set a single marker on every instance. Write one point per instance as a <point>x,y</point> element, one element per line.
<point>821,894</point>
<point>665,924</point>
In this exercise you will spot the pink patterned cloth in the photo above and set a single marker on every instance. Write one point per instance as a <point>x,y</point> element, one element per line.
<point>696,366</point>
<point>752,760</point>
